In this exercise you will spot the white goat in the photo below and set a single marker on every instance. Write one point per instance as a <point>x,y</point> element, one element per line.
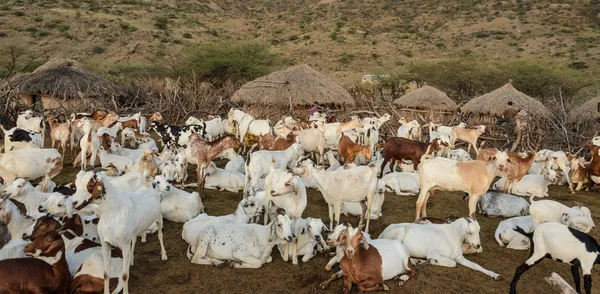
<point>577,217</point>
<point>308,239</point>
<point>125,215</point>
<point>530,185</point>
<point>111,131</point>
<point>24,192</point>
<point>354,208</point>
<point>313,140</point>
<point>440,244</point>
<point>19,138</point>
<point>505,233</point>
<point>351,185</point>
<point>89,143</point>
<point>24,164</point>
<point>220,179</point>
<point>402,183</point>
<point>556,160</point>
<point>260,162</point>
<point>494,203</point>
<point>459,155</point>
<point>236,162</point>
<point>177,205</point>
<point>249,245</point>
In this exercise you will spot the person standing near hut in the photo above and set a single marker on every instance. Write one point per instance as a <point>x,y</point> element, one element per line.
<point>314,108</point>
<point>508,115</point>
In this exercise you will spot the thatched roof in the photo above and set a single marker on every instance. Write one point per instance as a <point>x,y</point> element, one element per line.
<point>64,79</point>
<point>495,102</point>
<point>300,85</point>
<point>427,97</point>
<point>585,112</point>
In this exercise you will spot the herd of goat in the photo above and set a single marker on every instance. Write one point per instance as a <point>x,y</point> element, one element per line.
<point>80,237</point>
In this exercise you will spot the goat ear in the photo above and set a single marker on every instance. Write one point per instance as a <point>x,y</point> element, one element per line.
<point>69,207</point>
<point>303,231</point>
<point>364,242</point>
<point>273,228</point>
<point>565,218</point>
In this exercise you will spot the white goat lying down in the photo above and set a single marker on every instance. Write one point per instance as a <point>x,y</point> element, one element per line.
<point>530,185</point>
<point>244,245</point>
<point>246,209</point>
<point>402,183</point>
<point>494,203</point>
<point>354,208</point>
<point>177,205</point>
<point>505,233</point>
<point>440,244</point>
<point>236,162</point>
<point>563,244</point>
<point>308,239</point>
<point>577,217</point>
<point>220,179</point>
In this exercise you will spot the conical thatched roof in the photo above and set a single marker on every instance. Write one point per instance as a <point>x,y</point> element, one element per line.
<point>495,102</point>
<point>64,79</point>
<point>585,112</point>
<point>298,85</point>
<point>427,97</point>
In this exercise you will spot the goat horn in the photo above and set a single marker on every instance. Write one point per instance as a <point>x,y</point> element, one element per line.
<point>99,169</point>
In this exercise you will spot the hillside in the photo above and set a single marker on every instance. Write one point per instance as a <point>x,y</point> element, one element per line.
<point>344,39</point>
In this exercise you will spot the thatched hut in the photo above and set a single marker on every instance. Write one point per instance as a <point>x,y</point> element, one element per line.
<point>292,90</point>
<point>426,103</point>
<point>588,112</point>
<point>63,83</point>
<point>489,107</point>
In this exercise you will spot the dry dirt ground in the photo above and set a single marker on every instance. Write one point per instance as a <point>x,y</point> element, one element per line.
<point>178,275</point>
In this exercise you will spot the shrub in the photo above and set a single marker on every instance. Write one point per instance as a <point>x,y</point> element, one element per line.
<point>102,26</point>
<point>187,35</point>
<point>161,23</point>
<point>578,65</point>
<point>37,19</point>
<point>97,50</point>
<point>293,37</point>
<point>235,61</point>
<point>63,27</point>
<point>481,34</point>
<point>374,42</point>
<point>19,13</point>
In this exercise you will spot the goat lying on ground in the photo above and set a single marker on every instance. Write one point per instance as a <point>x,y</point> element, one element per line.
<point>562,244</point>
<point>494,203</point>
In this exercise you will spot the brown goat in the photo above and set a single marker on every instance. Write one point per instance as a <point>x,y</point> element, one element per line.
<point>99,114</point>
<point>148,165</point>
<point>517,167</point>
<point>249,141</point>
<point>59,133</point>
<point>401,148</point>
<point>580,171</point>
<point>270,142</point>
<point>486,154</point>
<point>48,272</point>
<point>132,123</point>
<point>348,150</point>
<point>204,152</point>
<point>594,168</point>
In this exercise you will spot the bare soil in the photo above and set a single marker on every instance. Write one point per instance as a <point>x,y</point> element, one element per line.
<point>179,275</point>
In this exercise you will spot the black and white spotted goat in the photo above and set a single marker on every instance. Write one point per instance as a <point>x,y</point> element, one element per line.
<point>177,136</point>
<point>563,244</point>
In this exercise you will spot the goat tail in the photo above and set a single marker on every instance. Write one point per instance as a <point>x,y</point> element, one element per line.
<point>522,232</point>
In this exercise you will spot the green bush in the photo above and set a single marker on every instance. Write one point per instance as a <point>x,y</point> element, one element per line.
<point>37,19</point>
<point>19,13</point>
<point>63,27</point>
<point>481,34</point>
<point>97,50</point>
<point>235,61</point>
<point>102,26</point>
<point>161,23</point>
<point>578,65</point>
<point>187,35</point>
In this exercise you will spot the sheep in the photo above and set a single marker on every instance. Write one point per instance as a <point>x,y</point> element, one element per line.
<point>177,205</point>
<point>308,239</point>
<point>261,160</point>
<point>125,215</point>
<point>246,209</point>
<point>28,121</point>
<point>236,162</point>
<point>440,244</point>
<point>473,177</point>
<point>47,272</point>
<point>505,233</point>
<point>467,135</point>
<point>530,185</point>
<point>563,244</point>
<point>220,179</point>
<point>577,217</point>
<point>353,208</point>
<point>249,245</point>
<point>494,203</point>
<point>402,183</point>
<point>351,185</point>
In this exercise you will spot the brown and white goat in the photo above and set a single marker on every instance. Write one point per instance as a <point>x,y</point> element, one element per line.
<point>580,171</point>
<point>47,272</point>
<point>348,150</point>
<point>270,142</point>
<point>517,167</point>
<point>147,164</point>
<point>469,136</point>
